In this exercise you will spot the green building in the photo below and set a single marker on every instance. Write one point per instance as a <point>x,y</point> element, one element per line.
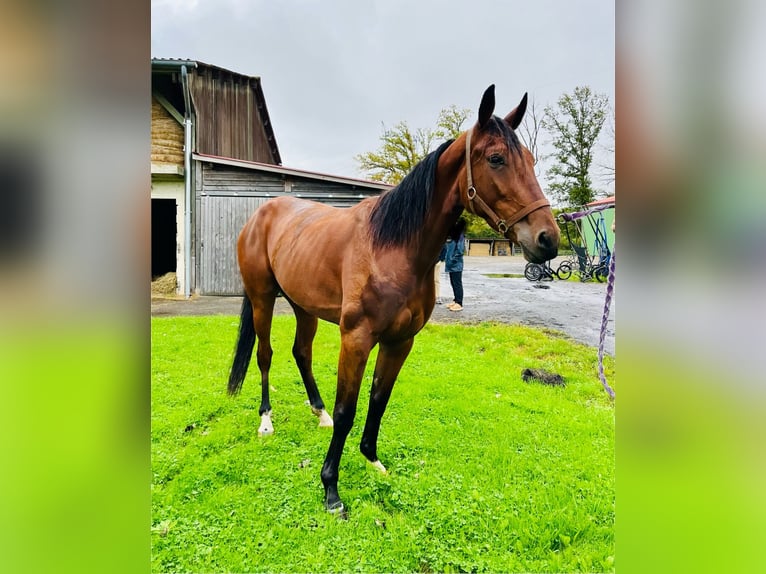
<point>603,219</point>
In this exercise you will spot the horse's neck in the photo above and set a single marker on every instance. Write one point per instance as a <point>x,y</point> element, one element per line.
<point>445,206</point>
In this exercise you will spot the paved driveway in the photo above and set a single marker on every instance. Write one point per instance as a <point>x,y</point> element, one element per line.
<point>569,306</point>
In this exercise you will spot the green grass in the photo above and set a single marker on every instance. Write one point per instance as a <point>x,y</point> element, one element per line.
<point>487,473</point>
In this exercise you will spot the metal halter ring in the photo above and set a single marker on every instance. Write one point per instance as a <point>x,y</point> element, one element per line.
<point>502,227</point>
<point>468,193</point>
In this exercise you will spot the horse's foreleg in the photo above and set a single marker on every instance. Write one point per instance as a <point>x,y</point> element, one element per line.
<point>389,363</point>
<point>305,330</point>
<point>355,349</point>
<point>263,308</point>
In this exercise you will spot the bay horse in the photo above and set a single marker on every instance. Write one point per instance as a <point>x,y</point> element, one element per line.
<point>370,269</point>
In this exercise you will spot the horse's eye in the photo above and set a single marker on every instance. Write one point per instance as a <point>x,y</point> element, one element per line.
<point>496,159</point>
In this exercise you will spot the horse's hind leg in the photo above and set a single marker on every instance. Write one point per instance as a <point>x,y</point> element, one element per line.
<point>263,309</point>
<point>306,328</point>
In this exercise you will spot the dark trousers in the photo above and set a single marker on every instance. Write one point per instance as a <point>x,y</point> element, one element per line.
<point>456,280</point>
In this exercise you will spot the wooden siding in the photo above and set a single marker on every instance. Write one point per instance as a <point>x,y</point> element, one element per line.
<point>221,220</point>
<point>167,137</point>
<point>233,181</point>
<point>230,116</point>
<point>491,246</point>
<point>228,196</point>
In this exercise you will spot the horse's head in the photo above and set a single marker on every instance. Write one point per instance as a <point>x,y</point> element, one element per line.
<point>500,183</point>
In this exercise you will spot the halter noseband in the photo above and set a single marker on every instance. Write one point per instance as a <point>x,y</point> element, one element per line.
<point>501,224</point>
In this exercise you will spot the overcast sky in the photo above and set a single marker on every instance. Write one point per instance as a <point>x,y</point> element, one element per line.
<point>334,71</point>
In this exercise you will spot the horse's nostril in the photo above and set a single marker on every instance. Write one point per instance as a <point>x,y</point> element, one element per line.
<point>544,240</point>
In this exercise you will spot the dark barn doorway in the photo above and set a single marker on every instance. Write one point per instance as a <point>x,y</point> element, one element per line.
<point>163,236</point>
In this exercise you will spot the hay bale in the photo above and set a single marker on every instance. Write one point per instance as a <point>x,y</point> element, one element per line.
<point>165,285</point>
<point>167,137</point>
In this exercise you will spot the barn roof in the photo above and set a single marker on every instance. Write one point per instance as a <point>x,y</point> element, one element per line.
<point>278,169</point>
<point>174,65</point>
<point>603,201</point>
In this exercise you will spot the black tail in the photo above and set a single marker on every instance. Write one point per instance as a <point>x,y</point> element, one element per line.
<point>244,349</point>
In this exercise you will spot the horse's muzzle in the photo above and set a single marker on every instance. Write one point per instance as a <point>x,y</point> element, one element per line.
<point>545,248</point>
<point>548,244</point>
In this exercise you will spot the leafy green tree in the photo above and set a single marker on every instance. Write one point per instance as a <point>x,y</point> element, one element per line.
<point>449,125</point>
<point>402,148</point>
<point>476,227</point>
<point>574,125</point>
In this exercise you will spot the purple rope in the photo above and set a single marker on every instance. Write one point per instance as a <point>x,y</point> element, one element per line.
<point>609,292</point>
<point>604,319</point>
<point>578,214</point>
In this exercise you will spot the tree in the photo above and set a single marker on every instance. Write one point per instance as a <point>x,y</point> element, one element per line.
<point>449,125</point>
<point>575,125</point>
<point>402,148</point>
<point>529,130</point>
<point>608,167</point>
<point>400,151</point>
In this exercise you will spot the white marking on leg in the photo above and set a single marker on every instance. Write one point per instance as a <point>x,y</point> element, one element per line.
<point>266,427</point>
<point>339,511</point>
<point>325,420</point>
<point>377,465</point>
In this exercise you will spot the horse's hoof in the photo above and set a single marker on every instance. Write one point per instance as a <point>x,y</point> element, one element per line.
<point>266,427</point>
<point>377,465</point>
<point>338,510</point>
<point>325,420</point>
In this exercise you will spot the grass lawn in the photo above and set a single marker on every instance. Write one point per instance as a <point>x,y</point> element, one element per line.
<point>487,473</point>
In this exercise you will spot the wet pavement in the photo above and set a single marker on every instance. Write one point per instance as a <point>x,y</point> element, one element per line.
<point>571,307</point>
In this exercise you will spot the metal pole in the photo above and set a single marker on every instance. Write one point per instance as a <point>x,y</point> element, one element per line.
<point>187,184</point>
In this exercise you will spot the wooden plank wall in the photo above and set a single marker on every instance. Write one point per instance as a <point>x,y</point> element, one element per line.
<point>221,220</point>
<point>229,120</point>
<point>228,197</point>
<point>221,180</point>
<point>233,181</point>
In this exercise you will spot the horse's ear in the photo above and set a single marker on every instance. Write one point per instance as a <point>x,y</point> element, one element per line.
<point>515,117</point>
<point>487,106</point>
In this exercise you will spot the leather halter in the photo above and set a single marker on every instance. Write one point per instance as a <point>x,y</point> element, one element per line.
<point>501,224</point>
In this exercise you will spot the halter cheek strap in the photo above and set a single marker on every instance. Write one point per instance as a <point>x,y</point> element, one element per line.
<point>501,224</point>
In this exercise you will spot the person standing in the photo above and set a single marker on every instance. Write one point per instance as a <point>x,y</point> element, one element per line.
<point>453,263</point>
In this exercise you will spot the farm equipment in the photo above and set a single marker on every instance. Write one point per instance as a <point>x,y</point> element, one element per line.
<point>544,271</point>
<point>588,262</point>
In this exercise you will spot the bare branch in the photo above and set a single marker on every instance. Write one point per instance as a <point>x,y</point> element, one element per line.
<point>529,129</point>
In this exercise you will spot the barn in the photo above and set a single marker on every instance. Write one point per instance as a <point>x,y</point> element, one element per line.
<point>215,160</point>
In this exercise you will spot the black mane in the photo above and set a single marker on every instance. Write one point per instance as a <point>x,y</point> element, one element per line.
<point>401,211</point>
